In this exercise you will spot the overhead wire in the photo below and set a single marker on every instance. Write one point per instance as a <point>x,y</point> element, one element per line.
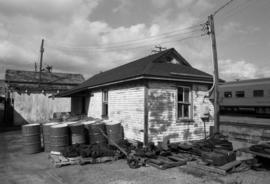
<point>130,47</point>
<point>165,34</point>
<point>237,9</point>
<point>222,7</point>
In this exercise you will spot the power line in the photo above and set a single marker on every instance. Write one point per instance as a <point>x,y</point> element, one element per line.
<point>239,8</point>
<point>94,52</point>
<point>219,9</point>
<point>129,42</point>
<point>148,42</point>
<point>136,46</point>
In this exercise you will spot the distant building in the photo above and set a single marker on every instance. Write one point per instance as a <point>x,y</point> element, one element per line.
<point>27,97</point>
<point>156,98</point>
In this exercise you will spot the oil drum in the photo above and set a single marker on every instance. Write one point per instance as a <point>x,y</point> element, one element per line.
<point>77,132</point>
<point>86,129</point>
<point>59,137</point>
<point>95,136</point>
<point>46,135</point>
<point>114,132</point>
<point>31,138</point>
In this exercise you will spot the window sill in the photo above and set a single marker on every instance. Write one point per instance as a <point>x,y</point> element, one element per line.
<point>104,117</point>
<point>186,120</point>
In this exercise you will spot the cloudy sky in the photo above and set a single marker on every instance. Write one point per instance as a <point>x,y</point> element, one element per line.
<point>89,36</point>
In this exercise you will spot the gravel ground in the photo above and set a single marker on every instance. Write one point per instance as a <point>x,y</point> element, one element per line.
<point>18,168</point>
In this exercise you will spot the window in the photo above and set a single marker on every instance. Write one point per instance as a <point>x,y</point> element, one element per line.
<point>240,94</point>
<point>183,102</point>
<point>105,103</point>
<point>228,94</point>
<point>258,93</point>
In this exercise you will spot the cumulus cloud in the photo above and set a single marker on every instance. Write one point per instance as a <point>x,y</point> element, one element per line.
<point>74,42</point>
<point>233,70</point>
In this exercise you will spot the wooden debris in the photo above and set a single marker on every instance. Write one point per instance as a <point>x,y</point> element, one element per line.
<point>247,150</point>
<point>60,160</point>
<point>223,170</point>
<point>230,165</point>
<point>165,162</point>
<point>206,168</point>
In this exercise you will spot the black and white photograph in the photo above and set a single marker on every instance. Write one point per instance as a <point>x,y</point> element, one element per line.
<point>134,92</point>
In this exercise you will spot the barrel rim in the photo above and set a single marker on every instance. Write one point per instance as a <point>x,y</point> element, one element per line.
<point>31,124</point>
<point>50,124</point>
<point>59,126</point>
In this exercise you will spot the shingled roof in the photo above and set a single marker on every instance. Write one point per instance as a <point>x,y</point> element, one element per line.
<point>22,80</point>
<point>156,66</point>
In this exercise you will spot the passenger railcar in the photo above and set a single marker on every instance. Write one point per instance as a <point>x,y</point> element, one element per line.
<point>247,97</point>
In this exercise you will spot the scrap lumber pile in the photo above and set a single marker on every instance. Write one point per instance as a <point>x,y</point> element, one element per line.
<point>262,154</point>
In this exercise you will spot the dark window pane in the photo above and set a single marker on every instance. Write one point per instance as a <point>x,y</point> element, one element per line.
<point>105,96</point>
<point>228,94</point>
<point>180,107</point>
<point>258,93</point>
<point>105,109</point>
<point>180,94</point>
<point>186,95</point>
<point>186,111</point>
<point>240,94</point>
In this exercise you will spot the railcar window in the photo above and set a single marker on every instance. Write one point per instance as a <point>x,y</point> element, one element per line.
<point>258,93</point>
<point>240,94</point>
<point>228,94</point>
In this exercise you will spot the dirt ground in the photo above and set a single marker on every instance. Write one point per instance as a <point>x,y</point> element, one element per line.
<point>18,168</point>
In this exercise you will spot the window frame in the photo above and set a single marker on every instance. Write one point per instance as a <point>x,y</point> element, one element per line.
<point>105,104</point>
<point>225,94</point>
<point>237,95</point>
<point>183,103</point>
<point>258,90</point>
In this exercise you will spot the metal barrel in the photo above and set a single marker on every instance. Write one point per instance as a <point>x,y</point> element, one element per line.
<point>114,132</point>
<point>77,133</point>
<point>46,128</point>
<point>31,138</point>
<point>86,128</point>
<point>59,137</point>
<point>95,136</point>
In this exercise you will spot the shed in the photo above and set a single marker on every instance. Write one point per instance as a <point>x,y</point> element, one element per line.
<point>158,97</point>
<point>28,95</point>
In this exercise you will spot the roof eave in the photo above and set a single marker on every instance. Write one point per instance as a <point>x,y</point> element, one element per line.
<point>186,79</point>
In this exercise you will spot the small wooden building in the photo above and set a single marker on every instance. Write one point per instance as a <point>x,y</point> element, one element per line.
<point>158,97</point>
<point>28,96</point>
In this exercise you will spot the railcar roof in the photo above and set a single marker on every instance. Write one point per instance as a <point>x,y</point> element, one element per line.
<point>246,82</point>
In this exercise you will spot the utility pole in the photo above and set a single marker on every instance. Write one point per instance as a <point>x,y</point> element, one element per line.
<point>41,58</point>
<point>215,59</point>
<point>159,49</point>
<point>211,30</point>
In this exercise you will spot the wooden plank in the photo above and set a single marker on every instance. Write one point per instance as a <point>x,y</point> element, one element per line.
<point>177,158</point>
<point>165,159</point>
<point>230,165</point>
<point>207,168</point>
<point>256,153</point>
<point>186,157</point>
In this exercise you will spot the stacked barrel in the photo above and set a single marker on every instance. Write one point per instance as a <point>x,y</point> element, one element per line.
<point>47,135</point>
<point>95,133</point>
<point>59,137</point>
<point>114,132</point>
<point>77,132</point>
<point>31,138</point>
